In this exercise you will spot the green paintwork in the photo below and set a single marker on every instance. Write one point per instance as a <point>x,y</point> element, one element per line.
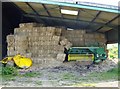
<point>99,52</point>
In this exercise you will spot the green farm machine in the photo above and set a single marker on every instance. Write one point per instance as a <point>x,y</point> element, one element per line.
<point>94,54</point>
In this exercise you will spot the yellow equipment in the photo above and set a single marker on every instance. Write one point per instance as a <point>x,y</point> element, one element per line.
<point>20,61</point>
<point>6,60</point>
<point>81,57</point>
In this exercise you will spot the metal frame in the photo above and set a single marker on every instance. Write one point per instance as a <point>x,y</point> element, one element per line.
<point>96,16</point>
<point>72,5</point>
<point>32,9</point>
<point>36,13</point>
<point>23,12</point>
<point>46,10</point>
<point>31,15</point>
<point>108,23</point>
<point>62,17</point>
<point>60,12</point>
<point>94,19</point>
<point>78,14</point>
<point>53,18</point>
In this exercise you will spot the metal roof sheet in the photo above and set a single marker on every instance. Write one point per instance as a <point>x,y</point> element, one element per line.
<point>89,17</point>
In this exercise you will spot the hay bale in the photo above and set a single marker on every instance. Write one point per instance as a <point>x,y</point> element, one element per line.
<point>63,41</point>
<point>29,55</point>
<point>35,34</point>
<point>56,38</point>
<point>96,35</point>
<point>11,52</point>
<point>61,57</point>
<point>58,48</point>
<point>10,41</point>
<point>43,29</point>
<point>10,38</point>
<point>21,37</point>
<point>21,25</point>
<point>58,31</point>
<point>68,45</point>
<point>21,43</point>
<point>16,30</point>
<point>50,29</point>
<point>88,36</point>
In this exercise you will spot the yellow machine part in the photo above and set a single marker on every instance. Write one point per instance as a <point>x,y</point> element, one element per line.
<point>85,57</point>
<point>22,61</point>
<point>6,60</point>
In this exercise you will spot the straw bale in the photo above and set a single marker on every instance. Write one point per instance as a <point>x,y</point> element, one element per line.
<point>27,25</point>
<point>61,56</point>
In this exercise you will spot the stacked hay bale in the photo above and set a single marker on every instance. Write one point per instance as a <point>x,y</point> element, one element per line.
<point>10,45</point>
<point>95,39</point>
<point>47,43</point>
<point>65,42</point>
<point>37,41</point>
<point>32,41</point>
<point>58,31</point>
<point>21,44</point>
<point>27,25</point>
<point>101,39</point>
<point>76,37</point>
<point>79,38</point>
<point>90,40</point>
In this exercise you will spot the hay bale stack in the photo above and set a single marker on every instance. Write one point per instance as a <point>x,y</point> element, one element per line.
<point>30,25</point>
<point>65,43</point>
<point>21,44</point>
<point>90,40</point>
<point>95,39</point>
<point>32,41</point>
<point>36,40</point>
<point>58,31</point>
<point>76,37</point>
<point>10,45</point>
<point>61,57</point>
<point>10,41</point>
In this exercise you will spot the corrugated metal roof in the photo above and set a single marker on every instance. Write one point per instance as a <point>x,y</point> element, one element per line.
<point>89,17</point>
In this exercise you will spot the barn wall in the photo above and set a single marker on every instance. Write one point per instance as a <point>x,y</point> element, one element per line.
<point>112,36</point>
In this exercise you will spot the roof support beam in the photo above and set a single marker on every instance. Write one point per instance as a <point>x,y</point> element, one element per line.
<point>72,5</point>
<point>28,15</point>
<point>46,9</point>
<point>23,12</point>
<point>78,14</point>
<point>36,13</point>
<point>33,9</point>
<point>108,22</point>
<point>60,12</point>
<point>94,18</point>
